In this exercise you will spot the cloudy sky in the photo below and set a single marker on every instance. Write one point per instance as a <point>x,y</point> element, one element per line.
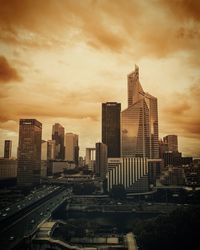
<point>60,59</point>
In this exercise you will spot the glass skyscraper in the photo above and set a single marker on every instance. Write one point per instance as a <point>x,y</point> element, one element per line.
<point>58,133</point>
<point>111,127</point>
<point>139,122</point>
<point>29,152</point>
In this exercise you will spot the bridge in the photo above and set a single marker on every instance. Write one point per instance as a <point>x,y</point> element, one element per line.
<point>22,220</point>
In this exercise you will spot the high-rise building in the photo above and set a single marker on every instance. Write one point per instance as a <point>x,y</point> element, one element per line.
<point>90,158</point>
<point>71,148</point>
<point>29,152</point>
<point>8,168</point>
<point>172,142</point>
<point>7,149</point>
<point>111,128</point>
<point>139,122</point>
<point>58,133</point>
<point>101,159</point>
<point>51,149</point>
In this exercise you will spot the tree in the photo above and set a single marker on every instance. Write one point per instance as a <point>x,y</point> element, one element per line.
<point>118,192</point>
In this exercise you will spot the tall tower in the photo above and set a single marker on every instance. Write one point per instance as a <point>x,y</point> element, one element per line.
<point>29,152</point>
<point>58,133</point>
<point>111,128</point>
<point>7,149</point>
<point>71,148</point>
<point>139,122</point>
<point>101,159</point>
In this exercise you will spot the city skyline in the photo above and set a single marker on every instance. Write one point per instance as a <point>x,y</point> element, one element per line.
<point>65,75</point>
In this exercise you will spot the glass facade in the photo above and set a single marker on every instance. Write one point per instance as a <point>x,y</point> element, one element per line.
<point>139,122</point>
<point>111,127</point>
<point>29,152</point>
<point>58,133</point>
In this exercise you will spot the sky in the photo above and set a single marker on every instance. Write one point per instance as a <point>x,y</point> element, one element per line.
<point>60,59</point>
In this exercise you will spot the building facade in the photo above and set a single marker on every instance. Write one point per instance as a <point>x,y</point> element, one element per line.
<point>90,158</point>
<point>71,148</point>
<point>8,168</point>
<point>7,149</point>
<point>101,159</point>
<point>172,142</point>
<point>29,152</point>
<point>139,122</point>
<point>58,133</point>
<point>111,128</point>
<point>131,172</point>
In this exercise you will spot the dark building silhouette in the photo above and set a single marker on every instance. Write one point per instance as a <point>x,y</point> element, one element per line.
<point>7,149</point>
<point>101,159</point>
<point>58,133</point>
<point>29,152</point>
<point>111,128</point>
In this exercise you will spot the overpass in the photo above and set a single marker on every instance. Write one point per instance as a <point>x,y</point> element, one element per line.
<point>24,223</point>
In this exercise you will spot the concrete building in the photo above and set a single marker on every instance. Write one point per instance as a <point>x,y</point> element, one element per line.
<point>139,122</point>
<point>8,168</point>
<point>71,148</point>
<point>172,142</point>
<point>111,128</point>
<point>48,150</point>
<point>7,149</point>
<point>90,158</point>
<point>58,133</point>
<point>29,152</point>
<point>101,159</point>
<point>132,172</point>
<point>173,176</point>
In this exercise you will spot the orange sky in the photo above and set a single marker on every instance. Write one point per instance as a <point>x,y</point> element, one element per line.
<point>60,59</point>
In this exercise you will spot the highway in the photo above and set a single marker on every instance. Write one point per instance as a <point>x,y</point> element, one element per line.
<point>25,224</point>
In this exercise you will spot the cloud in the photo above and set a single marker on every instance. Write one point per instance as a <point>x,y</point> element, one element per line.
<point>183,9</point>
<point>7,72</point>
<point>137,28</point>
<point>182,114</point>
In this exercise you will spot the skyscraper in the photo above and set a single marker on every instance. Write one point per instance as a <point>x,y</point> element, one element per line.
<point>71,148</point>
<point>7,149</point>
<point>111,128</point>
<point>139,122</point>
<point>58,133</point>
<point>172,142</point>
<point>101,159</point>
<point>29,152</point>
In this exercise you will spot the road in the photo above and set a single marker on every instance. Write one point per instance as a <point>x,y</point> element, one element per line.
<point>25,225</point>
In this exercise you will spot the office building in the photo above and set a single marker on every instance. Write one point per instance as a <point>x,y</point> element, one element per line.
<point>58,133</point>
<point>139,122</point>
<point>29,152</point>
<point>8,168</point>
<point>111,128</point>
<point>101,160</point>
<point>172,142</point>
<point>71,148</point>
<point>131,172</point>
<point>7,149</point>
<point>90,158</point>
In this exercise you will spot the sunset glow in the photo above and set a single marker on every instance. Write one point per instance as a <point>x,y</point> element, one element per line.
<point>60,59</point>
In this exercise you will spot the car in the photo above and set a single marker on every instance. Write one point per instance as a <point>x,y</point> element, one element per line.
<point>32,221</point>
<point>41,213</point>
<point>11,238</point>
<point>7,209</point>
<point>4,215</point>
